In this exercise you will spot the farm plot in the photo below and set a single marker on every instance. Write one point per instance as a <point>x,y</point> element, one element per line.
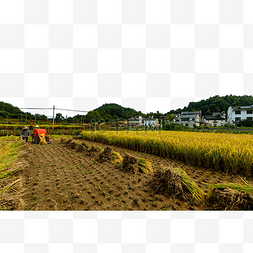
<point>60,178</point>
<point>85,175</point>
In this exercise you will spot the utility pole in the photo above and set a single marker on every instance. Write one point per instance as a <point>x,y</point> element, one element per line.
<point>53,116</point>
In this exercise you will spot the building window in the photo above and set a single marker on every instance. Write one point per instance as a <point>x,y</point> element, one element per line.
<point>249,111</point>
<point>237,118</point>
<point>249,118</point>
<point>237,112</point>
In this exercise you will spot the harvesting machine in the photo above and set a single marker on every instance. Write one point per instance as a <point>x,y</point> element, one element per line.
<point>40,135</point>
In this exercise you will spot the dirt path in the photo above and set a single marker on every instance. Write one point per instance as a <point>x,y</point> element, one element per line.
<point>62,179</point>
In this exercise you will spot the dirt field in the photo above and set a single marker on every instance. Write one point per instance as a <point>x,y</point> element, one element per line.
<point>59,178</point>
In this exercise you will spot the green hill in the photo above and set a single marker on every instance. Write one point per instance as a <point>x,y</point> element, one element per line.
<point>112,111</point>
<point>216,104</point>
<point>10,111</point>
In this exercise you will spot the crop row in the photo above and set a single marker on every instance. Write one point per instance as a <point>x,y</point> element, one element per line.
<point>212,150</point>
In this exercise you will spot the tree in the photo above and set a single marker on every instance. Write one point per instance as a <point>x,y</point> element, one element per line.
<point>58,117</point>
<point>170,117</point>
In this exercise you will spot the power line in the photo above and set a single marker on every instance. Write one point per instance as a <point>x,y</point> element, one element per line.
<point>52,109</point>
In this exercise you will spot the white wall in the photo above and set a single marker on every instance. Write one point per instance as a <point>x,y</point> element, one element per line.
<point>232,115</point>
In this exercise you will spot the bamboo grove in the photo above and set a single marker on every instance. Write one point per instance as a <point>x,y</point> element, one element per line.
<point>225,152</point>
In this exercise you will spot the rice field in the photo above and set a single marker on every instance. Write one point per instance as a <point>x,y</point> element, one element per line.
<point>225,152</point>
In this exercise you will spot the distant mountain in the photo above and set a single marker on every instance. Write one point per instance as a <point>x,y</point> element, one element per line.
<point>215,104</point>
<point>13,112</point>
<point>115,111</point>
<point>10,111</point>
<point>112,111</point>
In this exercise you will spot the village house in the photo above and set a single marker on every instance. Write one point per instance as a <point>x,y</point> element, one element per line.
<point>137,121</point>
<point>217,119</point>
<point>239,113</point>
<point>150,122</point>
<point>190,119</point>
<point>214,121</point>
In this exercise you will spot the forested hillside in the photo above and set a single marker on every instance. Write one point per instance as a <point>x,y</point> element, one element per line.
<point>216,104</point>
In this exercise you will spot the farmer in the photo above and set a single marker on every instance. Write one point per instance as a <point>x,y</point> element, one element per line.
<point>25,133</point>
<point>36,127</point>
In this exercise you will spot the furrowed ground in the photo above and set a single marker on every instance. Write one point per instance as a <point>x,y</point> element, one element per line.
<point>56,177</point>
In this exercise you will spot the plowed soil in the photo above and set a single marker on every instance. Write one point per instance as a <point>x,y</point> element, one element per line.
<point>60,178</point>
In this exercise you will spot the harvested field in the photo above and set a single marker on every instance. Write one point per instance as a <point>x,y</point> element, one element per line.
<point>60,177</point>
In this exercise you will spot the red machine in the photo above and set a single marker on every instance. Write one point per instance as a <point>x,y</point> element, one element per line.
<point>36,136</point>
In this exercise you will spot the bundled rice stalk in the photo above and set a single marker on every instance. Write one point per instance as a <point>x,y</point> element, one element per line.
<point>175,183</point>
<point>106,154</point>
<point>129,164</point>
<point>80,148</point>
<point>231,196</point>
<point>92,150</point>
<point>62,140</point>
<point>243,187</point>
<point>117,158</point>
<point>68,141</point>
<point>73,145</point>
<point>230,200</point>
<point>144,166</point>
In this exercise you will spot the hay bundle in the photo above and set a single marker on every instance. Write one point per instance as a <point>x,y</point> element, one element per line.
<point>106,155</point>
<point>80,148</point>
<point>85,146</point>
<point>230,200</point>
<point>117,158</point>
<point>175,183</point>
<point>63,141</point>
<point>129,164</point>
<point>231,196</point>
<point>73,145</point>
<point>92,150</point>
<point>144,166</point>
<point>67,143</point>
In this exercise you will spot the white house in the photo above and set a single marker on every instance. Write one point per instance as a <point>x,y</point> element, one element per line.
<point>215,121</point>
<point>239,113</point>
<point>193,117</point>
<point>135,121</point>
<point>150,122</point>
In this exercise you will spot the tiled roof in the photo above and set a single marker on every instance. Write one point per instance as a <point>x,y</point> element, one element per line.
<point>196,112</point>
<point>242,107</point>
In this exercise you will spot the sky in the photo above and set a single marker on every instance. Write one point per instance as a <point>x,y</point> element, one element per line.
<point>147,55</point>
